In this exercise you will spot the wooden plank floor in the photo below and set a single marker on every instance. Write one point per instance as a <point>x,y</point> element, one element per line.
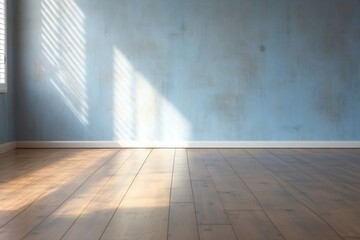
<point>180,194</point>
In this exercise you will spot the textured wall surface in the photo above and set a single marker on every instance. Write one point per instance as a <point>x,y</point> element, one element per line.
<point>7,130</point>
<point>6,117</point>
<point>188,70</point>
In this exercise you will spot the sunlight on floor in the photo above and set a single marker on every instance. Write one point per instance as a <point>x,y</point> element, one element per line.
<point>25,182</point>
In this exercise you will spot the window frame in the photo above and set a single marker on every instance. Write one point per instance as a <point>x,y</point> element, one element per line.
<point>3,84</point>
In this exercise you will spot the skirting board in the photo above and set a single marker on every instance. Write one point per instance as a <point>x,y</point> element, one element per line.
<point>188,144</point>
<point>6,147</point>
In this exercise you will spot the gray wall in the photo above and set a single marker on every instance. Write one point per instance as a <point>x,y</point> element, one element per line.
<point>188,70</point>
<point>7,130</point>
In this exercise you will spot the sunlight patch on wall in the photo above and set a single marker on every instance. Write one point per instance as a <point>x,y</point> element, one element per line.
<point>64,47</point>
<point>141,113</point>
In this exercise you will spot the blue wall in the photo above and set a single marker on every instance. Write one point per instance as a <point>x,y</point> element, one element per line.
<point>7,129</point>
<point>6,117</point>
<point>188,70</point>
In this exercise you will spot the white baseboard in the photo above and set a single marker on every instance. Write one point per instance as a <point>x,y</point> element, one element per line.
<point>188,144</point>
<point>6,147</point>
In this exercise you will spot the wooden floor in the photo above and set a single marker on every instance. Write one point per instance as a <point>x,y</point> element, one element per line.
<point>180,194</point>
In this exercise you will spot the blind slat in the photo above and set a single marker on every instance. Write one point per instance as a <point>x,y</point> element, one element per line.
<point>2,41</point>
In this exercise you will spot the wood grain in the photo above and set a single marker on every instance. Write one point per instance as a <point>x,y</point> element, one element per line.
<point>215,232</point>
<point>234,194</point>
<point>182,222</point>
<point>181,186</point>
<point>180,194</point>
<point>94,219</point>
<point>253,225</point>
<point>146,203</point>
<point>301,224</point>
<point>209,209</point>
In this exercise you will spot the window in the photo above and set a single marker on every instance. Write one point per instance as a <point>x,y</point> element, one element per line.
<point>3,87</point>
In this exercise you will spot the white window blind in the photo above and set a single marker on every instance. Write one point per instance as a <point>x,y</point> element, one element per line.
<point>3,46</point>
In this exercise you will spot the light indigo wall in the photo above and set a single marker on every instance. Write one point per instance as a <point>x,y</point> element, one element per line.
<point>6,116</point>
<point>7,129</point>
<point>188,70</point>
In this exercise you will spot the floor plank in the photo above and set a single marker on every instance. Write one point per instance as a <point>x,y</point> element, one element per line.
<point>254,225</point>
<point>40,209</point>
<point>234,194</point>
<point>291,216</point>
<point>181,190</point>
<point>182,222</point>
<point>146,204</point>
<point>94,219</point>
<point>215,232</point>
<point>59,221</point>
<point>180,194</point>
<point>335,202</point>
<point>271,195</point>
<point>346,221</point>
<point>209,209</point>
<point>301,224</point>
<point>181,157</point>
<point>197,166</point>
<point>284,170</point>
<point>244,164</point>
